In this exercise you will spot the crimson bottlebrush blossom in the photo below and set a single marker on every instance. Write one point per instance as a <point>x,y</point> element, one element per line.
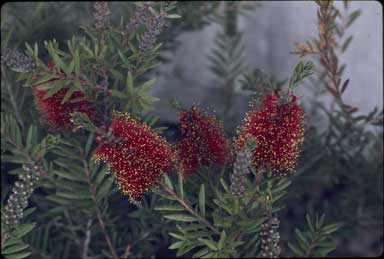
<point>137,158</point>
<point>203,141</point>
<point>56,114</point>
<point>276,125</point>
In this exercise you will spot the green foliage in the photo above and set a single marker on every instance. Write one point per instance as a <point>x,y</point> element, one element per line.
<point>25,153</point>
<point>133,96</point>
<point>82,121</point>
<point>302,71</point>
<point>81,183</point>
<point>314,241</point>
<point>14,247</point>
<point>211,223</point>
<point>257,83</point>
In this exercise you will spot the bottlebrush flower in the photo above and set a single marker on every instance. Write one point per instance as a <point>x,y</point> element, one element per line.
<point>276,125</point>
<point>203,141</point>
<point>56,114</point>
<point>138,159</point>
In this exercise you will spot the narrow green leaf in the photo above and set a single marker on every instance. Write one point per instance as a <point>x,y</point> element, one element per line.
<point>224,206</point>
<point>28,212</point>
<point>103,191</point>
<point>23,229</point>
<point>18,255</point>
<point>13,159</point>
<point>68,94</point>
<point>59,63</point>
<point>145,86</point>
<point>295,250</point>
<point>155,48</point>
<point>177,236</point>
<point>169,207</point>
<point>208,243</point>
<point>224,184</point>
<point>87,49</point>
<point>73,196</point>
<point>76,59</point>
<point>176,245</point>
<point>31,137</point>
<point>150,99</point>
<point>164,195</point>
<point>117,74</point>
<point>42,79</point>
<point>88,145</point>
<point>309,222</point>
<point>122,57</point>
<point>29,49</point>
<point>353,16</point>
<point>181,185</point>
<point>168,182</point>
<point>202,200</point>
<point>117,93</point>
<point>201,253</point>
<point>222,240</point>
<point>301,237</point>
<point>185,249</point>
<point>320,222</point>
<point>329,229</point>
<point>71,66</point>
<point>35,51</point>
<point>14,249</point>
<point>100,175</point>
<point>173,16</point>
<point>346,43</point>
<point>69,176</point>
<point>133,48</point>
<point>54,90</point>
<point>180,217</point>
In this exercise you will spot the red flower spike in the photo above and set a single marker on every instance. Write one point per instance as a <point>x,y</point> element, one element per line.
<point>56,114</point>
<point>138,160</point>
<point>203,141</point>
<point>276,125</point>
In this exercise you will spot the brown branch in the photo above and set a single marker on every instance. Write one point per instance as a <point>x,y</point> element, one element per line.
<point>185,205</point>
<point>259,175</point>
<point>98,213</point>
<point>127,251</point>
<point>326,21</point>
<point>310,248</point>
<point>4,238</point>
<point>87,239</point>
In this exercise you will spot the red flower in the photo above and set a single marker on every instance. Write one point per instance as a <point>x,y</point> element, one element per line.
<point>56,114</point>
<point>203,141</point>
<point>276,125</point>
<point>138,159</point>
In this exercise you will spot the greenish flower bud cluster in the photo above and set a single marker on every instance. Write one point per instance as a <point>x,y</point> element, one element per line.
<point>22,190</point>
<point>16,60</point>
<point>270,238</point>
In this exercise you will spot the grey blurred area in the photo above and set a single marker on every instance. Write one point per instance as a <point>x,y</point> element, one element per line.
<point>269,33</point>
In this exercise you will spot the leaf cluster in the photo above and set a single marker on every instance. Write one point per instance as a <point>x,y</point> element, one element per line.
<point>315,240</point>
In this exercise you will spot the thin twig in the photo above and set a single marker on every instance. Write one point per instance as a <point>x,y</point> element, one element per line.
<point>87,239</point>
<point>4,238</point>
<point>259,175</point>
<point>127,251</point>
<point>98,213</point>
<point>311,246</point>
<point>182,202</point>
